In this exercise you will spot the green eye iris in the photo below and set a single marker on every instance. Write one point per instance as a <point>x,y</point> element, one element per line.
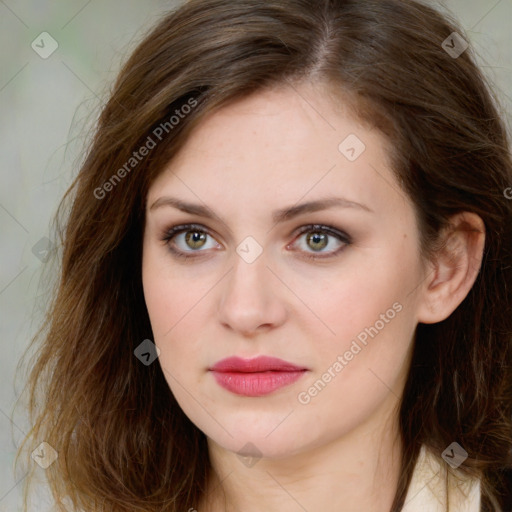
<point>319,240</point>
<point>196,237</point>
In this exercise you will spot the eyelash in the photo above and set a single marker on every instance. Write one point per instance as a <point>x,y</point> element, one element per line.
<point>317,228</point>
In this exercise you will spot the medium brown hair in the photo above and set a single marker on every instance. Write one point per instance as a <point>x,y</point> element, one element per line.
<point>124,443</point>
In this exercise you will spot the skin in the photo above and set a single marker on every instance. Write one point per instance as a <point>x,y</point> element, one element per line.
<point>273,149</point>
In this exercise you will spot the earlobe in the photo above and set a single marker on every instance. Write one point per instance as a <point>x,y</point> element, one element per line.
<point>454,269</point>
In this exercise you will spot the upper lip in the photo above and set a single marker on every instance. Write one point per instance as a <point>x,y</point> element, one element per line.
<point>257,364</point>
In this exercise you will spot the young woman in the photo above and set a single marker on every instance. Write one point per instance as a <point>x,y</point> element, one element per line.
<point>286,278</point>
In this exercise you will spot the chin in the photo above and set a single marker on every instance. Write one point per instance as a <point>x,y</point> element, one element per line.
<point>248,440</point>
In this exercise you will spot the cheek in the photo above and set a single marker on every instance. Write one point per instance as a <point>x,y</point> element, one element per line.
<point>368,313</point>
<point>175,302</point>
<point>351,300</point>
<point>170,292</point>
<point>366,362</point>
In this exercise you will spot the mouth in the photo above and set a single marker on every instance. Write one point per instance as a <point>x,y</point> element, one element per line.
<point>255,377</point>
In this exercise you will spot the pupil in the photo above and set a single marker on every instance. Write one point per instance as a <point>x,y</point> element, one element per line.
<point>195,236</point>
<point>318,238</point>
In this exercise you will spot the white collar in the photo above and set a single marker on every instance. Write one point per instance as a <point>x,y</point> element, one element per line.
<point>427,490</point>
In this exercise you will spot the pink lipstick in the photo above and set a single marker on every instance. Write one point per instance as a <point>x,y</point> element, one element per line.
<point>255,377</point>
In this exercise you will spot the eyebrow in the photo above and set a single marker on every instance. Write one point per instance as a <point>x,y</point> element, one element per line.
<point>280,215</point>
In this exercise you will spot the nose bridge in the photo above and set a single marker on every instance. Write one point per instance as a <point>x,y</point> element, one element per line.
<point>248,281</point>
<point>248,299</point>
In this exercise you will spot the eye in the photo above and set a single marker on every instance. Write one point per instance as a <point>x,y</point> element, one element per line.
<point>318,238</point>
<point>186,239</point>
<point>194,240</point>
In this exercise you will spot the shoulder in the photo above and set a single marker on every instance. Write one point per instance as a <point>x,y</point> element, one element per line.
<point>435,487</point>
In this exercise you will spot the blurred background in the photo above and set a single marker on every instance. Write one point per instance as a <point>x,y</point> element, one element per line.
<point>57,62</point>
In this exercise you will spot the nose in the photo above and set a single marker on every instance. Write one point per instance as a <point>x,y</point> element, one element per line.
<point>251,298</point>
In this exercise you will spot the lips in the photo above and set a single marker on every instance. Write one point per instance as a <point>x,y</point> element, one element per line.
<point>255,377</point>
<point>257,364</point>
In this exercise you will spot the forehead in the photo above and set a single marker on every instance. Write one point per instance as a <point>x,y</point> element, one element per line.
<point>285,143</point>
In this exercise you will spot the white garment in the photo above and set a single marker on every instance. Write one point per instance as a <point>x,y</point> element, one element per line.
<point>427,490</point>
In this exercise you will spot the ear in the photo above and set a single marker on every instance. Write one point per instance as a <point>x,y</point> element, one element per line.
<point>454,269</point>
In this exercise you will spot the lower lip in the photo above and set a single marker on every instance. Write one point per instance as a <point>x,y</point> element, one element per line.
<point>257,383</point>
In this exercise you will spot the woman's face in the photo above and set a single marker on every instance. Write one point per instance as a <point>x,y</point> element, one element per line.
<point>339,301</point>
